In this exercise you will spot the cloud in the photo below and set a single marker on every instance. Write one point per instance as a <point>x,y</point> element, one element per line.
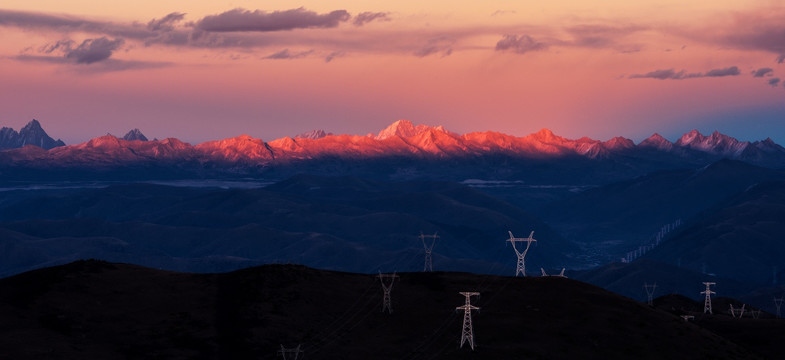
<point>88,52</point>
<point>519,44</point>
<point>659,74</point>
<point>286,54</point>
<point>729,71</point>
<point>761,29</point>
<point>671,74</point>
<point>31,20</point>
<point>366,17</point>
<point>333,55</point>
<point>601,36</point>
<point>245,20</point>
<point>774,82</point>
<point>108,65</point>
<point>64,24</point>
<point>93,50</point>
<point>762,72</point>
<point>503,12</point>
<point>441,44</point>
<point>64,45</point>
<point>166,23</point>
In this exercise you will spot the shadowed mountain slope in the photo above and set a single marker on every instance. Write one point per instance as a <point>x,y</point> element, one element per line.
<point>627,214</point>
<point>92,309</point>
<point>741,238</point>
<point>341,223</point>
<point>628,280</point>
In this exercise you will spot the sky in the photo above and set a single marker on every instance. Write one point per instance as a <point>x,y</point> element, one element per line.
<point>207,70</point>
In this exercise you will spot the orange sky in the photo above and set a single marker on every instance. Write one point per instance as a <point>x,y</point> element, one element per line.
<point>219,69</point>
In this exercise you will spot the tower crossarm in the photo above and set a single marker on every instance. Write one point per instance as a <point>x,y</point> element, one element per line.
<point>520,267</point>
<point>425,244</point>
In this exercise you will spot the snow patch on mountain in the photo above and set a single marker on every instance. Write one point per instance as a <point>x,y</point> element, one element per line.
<point>313,134</point>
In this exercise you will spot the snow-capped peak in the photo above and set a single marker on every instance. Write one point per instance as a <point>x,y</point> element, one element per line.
<point>404,129</point>
<point>716,143</point>
<point>313,134</point>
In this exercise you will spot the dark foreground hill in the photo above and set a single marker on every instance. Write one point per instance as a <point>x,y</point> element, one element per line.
<point>99,310</point>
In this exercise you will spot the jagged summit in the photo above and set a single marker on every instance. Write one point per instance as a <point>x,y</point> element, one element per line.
<point>546,135</point>
<point>658,142</point>
<point>135,134</point>
<point>405,129</point>
<point>715,143</point>
<point>313,134</point>
<point>30,134</point>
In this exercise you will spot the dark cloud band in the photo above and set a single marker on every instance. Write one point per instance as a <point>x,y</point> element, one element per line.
<point>671,74</point>
<point>245,20</point>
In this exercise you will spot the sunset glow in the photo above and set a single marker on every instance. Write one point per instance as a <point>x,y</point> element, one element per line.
<point>200,70</point>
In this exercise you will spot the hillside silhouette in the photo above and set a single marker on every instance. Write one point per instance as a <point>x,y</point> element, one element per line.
<point>94,309</point>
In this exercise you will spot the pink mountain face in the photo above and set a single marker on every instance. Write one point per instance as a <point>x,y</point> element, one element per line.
<point>402,138</point>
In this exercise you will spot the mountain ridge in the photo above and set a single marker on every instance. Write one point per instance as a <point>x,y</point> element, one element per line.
<point>402,139</point>
<point>30,134</point>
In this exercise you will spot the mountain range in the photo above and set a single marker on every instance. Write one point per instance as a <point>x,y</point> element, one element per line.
<point>30,134</point>
<point>357,203</point>
<point>428,150</point>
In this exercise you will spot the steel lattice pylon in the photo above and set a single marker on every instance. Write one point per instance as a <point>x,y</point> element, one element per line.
<point>778,304</point>
<point>650,292</point>
<point>707,300</point>
<point>467,334</point>
<point>520,267</point>
<point>428,250</point>
<point>288,353</point>
<point>387,303</point>
<point>737,313</point>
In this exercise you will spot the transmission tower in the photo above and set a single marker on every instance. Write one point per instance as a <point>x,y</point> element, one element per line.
<point>734,311</point>
<point>387,303</point>
<point>707,301</point>
<point>561,274</point>
<point>467,334</point>
<point>755,313</point>
<point>778,304</point>
<point>290,353</point>
<point>520,268</point>
<point>650,292</point>
<point>428,250</point>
